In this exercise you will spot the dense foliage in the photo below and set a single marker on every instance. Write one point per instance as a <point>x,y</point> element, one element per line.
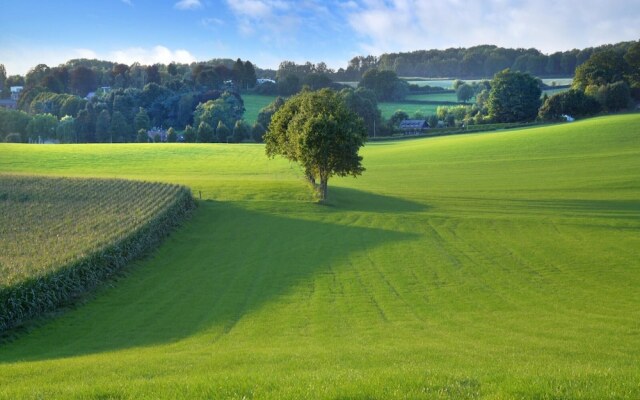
<point>384,84</point>
<point>318,131</point>
<point>110,102</point>
<point>514,97</point>
<point>478,61</point>
<point>62,237</point>
<point>102,101</point>
<point>574,103</point>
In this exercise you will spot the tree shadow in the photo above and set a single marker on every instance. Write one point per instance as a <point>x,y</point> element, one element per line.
<point>225,263</point>
<point>346,199</point>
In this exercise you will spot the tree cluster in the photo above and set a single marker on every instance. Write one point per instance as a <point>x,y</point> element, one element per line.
<point>106,102</point>
<point>385,85</point>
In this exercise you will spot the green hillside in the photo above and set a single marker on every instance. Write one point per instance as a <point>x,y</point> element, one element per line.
<point>498,265</point>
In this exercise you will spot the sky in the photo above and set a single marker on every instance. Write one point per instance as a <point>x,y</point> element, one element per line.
<point>267,32</point>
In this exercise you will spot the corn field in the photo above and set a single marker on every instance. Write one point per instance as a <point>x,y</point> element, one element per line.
<point>60,237</point>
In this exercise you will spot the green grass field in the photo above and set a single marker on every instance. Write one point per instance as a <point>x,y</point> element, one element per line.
<point>387,109</point>
<point>433,97</point>
<point>551,92</point>
<point>499,265</point>
<point>253,103</point>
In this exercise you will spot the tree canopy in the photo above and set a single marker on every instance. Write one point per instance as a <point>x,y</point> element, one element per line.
<point>318,131</point>
<point>514,97</point>
<point>385,84</point>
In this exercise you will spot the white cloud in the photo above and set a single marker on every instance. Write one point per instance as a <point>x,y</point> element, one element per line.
<point>86,53</point>
<point>549,25</point>
<point>274,20</point>
<point>211,22</point>
<point>18,60</point>
<point>250,8</point>
<point>188,4</point>
<point>127,2</point>
<point>281,23</point>
<point>157,54</point>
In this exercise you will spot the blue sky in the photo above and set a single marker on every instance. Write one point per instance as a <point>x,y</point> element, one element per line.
<point>269,31</point>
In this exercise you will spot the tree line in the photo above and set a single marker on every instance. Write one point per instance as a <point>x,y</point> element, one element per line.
<point>475,62</point>
<point>100,101</point>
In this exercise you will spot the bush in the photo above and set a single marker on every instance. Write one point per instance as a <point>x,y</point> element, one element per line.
<point>241,131</point>
<point>189,134</point>
<point>572,102</point>
<point>141,136</point>
<point>205,133</point>
<point>222,132</point>
<point>257,132</point>
<point>13,138</point>
<point>612,97</point>
<point>398,117</point>
<point>267,88</point>
<point>172,136</point>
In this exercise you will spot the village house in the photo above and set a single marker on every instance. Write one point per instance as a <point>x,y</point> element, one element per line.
<point>413,126</point>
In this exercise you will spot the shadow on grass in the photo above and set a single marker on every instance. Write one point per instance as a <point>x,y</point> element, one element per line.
<point>226,263</point>
<point>345,199</point>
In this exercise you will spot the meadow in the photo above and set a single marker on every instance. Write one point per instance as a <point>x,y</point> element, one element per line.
<point>497,265</point>
<point>387,109</point>
<point>449,96</point>
<point>448,83</point>
<point>253,103</point>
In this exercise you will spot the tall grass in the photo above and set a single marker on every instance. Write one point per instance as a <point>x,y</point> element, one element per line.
<point>61,237</point>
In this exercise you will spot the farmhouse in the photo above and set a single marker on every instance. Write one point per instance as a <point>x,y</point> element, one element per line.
<point>414,126</point>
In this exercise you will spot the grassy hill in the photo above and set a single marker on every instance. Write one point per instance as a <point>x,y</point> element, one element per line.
<point>497,265</point>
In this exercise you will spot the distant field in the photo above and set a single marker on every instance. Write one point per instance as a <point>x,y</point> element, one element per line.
<point>443,83</point>
<point>433,97</point>
<point>551,92</point>
<point>448,83</point>
<point>253,103</point>
<point>499,265</point>
<point>387,109</point>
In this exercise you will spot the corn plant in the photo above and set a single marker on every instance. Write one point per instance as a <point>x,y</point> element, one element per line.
<point>61,237</point>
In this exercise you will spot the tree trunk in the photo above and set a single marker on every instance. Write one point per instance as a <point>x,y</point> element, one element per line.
<point>323,188</point>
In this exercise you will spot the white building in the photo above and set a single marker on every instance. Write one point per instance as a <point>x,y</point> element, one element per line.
<point>15,92</point>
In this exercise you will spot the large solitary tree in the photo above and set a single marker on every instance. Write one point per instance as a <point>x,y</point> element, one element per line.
<point>514,97</point>
<point>318,131</point>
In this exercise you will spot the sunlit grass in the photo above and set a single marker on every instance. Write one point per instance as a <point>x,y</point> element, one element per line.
<point>498,265</point>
